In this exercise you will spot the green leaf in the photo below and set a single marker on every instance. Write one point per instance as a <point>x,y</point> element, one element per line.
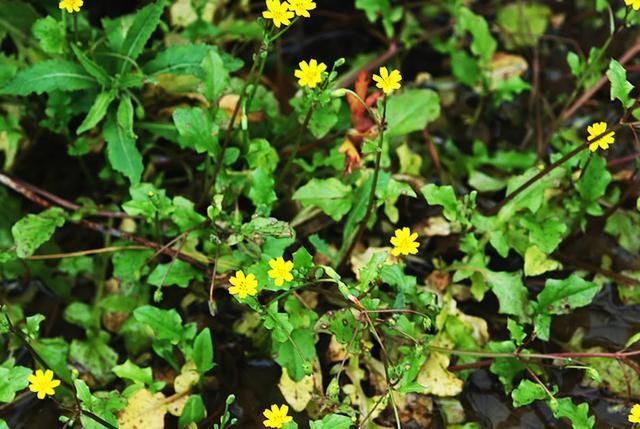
<point>514,17</point>
<point>95,355</point>
<point>443,196</point>
<point>483,44</point>
<point>299,357</point>
<point>80,314</point>
<point>561,296</point>
<point>130,371</point>
<point>411,111</point>
<point>97,112</point>
<point>196,130</point>
<point>32,231</point>
<point>261,190</point>
<point>330,195</point>
<point>122,152</point>
<point>527,392</point>
<point>193,411</point>
<point>50,34</point>
<point>166,324</point>
<point>332,421</point>
<point>144,24</point>
<point>177,273</point>
<point>511,293</point>
<point>46,76</point>
<point>13,379</point>
<point>215,76</point>
<point>595,179</point>
<point>54,352</point>
<point>577,414</point>
<point>203,351</point>
<point>324,118</point>
<point>620,86</point>
<point>91,67</point>
<point>178,59</point>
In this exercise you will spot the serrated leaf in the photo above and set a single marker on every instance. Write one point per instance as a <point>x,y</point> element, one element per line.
<point>561,295</point>
<point>52,75</point>
<point>527,392</point>
<point>144,24</point>
<point>443,196</point>
<point>32,231</point>
<point>411,111</point>
<point>97,112</point>
<point>620,86</point>
<point>91,66</point>
<point>577,414</point>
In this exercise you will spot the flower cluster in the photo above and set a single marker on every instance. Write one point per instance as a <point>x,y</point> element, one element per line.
<point>281,13</point>
<point>244,285</point>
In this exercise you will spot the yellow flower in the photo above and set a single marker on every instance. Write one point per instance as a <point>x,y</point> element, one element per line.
<point>634,415</point>
<point>278,12</point>
<point>302,7</point>
<point>597,138</point>
<point>388,82</point>
<point>634,3</point>
<point>310,74</point>
<point>276,417</point>
<point>71,5</point>
<point>280,270</point>
<point>243,286</point>
<point>404,242</point>
<point>43,383</point>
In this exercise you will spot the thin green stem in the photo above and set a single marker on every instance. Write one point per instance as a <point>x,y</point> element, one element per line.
<point>372,194</point>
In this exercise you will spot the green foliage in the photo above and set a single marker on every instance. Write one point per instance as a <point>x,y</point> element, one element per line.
<point>33,231</point>
<point>176,150</point>
<point>49,76</point>
<point>620,86</point>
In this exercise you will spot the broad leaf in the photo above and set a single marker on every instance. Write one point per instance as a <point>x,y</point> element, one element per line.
<point>331,195</point>
<point>411,111</point>
<point>52,75</point>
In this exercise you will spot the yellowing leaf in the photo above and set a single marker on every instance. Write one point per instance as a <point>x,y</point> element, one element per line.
<point>436,379</point>
<point>298,394</point>
<point>536,262</point>
<point>187,379</point>
<point>144,410</point>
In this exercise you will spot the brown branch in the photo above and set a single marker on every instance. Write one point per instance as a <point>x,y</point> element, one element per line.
<point>27,193</point>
